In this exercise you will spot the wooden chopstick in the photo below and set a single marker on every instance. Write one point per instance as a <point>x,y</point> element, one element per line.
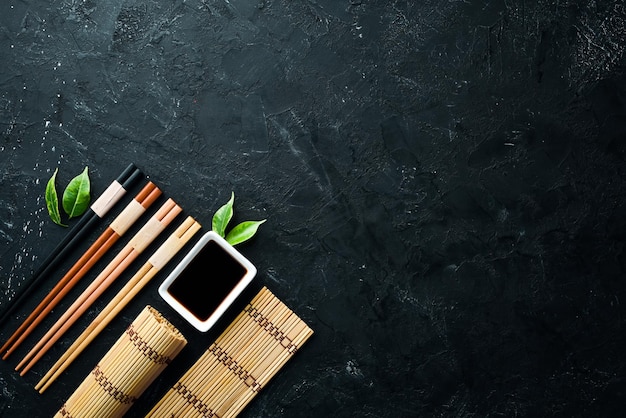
<point>129,253</point>
<point>133,211</point>
<point>157,261</point>
<point>87,222</point>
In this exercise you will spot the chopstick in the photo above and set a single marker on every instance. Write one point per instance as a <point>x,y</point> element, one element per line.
<point>127,255</point>
<point>133,211</point>
<point>157,261</point>
<point>87,222</point>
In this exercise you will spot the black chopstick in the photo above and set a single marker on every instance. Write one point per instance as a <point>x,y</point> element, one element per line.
<point>87,222</point>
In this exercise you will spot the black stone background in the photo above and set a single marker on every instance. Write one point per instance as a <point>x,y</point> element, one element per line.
<point>443,183</point>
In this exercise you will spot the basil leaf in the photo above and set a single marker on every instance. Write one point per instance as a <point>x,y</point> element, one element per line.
<point>52,200</point>
<point>76,196</point>
<point>223,216</point>
<point>243,232</point>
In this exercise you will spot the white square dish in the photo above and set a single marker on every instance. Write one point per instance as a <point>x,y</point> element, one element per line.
<point>207,281</point>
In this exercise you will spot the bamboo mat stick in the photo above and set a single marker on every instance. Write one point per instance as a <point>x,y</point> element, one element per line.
<point>158,260</point>
<point>124,366</point>
<point>127,369</point>
<point>124,369</point>
<point>107,239</point>
<point>129,253</point>
<point>304,334</point>
<point>232,348</point>
<point>89,392</point>
<point>204,366</point>
<point>271,372</point>
<point>223,379</point>
<point>249,356</point>
<point>229,345</point>
<point>255,350</point>
<point>255,368</point>
<point>250,342</point>
<point>88,221</point>
<point>231,338</point>
<point>271,356</point>
<point>273,361</point>
<point>239,363</point>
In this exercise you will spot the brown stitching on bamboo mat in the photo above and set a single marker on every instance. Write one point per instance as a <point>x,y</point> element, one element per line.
<point>232,365</point>
<point>108,387</point>
<point>271,329</point>
<point>64,412</point>
<point>144,348</point>
<point>193,400</point>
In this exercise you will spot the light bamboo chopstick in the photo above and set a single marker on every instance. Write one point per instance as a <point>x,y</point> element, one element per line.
<point>243,359</point>
<point>143,351</point>
<point>156,262</point>
<point>107,200</point>
<point>164,216</point>
<point>133,211</point>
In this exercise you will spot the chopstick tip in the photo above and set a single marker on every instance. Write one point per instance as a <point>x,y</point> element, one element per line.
<point>20,365</point>
<point>26,369</point>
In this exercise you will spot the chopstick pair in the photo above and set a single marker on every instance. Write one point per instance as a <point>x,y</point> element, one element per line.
<point>87,222</point>
<point>144,237</point>
<point>133,211</point>
<point>157,261</point>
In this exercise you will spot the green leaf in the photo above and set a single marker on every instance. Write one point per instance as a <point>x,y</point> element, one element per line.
<point>76,196</point>
<point>52,200</point>
<point>223,216</point>
<point>243,232</point>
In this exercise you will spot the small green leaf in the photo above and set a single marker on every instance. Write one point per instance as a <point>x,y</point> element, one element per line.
<point>243,232</point>
<point>76,196</point>
<point>52,200</point>
<point>223,216</point>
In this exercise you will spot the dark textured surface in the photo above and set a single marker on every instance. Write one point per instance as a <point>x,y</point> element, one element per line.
<point>443,182</point>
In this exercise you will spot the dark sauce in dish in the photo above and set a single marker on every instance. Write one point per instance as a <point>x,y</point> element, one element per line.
<point>204,283</point>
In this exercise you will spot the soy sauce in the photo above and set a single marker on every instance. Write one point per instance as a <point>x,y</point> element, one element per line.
<point>207,280</point>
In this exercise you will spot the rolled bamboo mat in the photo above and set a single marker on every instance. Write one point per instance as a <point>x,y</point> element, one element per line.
<point>147,346</point>
<point>254,347</point>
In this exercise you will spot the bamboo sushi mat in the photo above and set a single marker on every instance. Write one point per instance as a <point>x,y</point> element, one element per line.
<point>140,354</point>
<point>263,337</point>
